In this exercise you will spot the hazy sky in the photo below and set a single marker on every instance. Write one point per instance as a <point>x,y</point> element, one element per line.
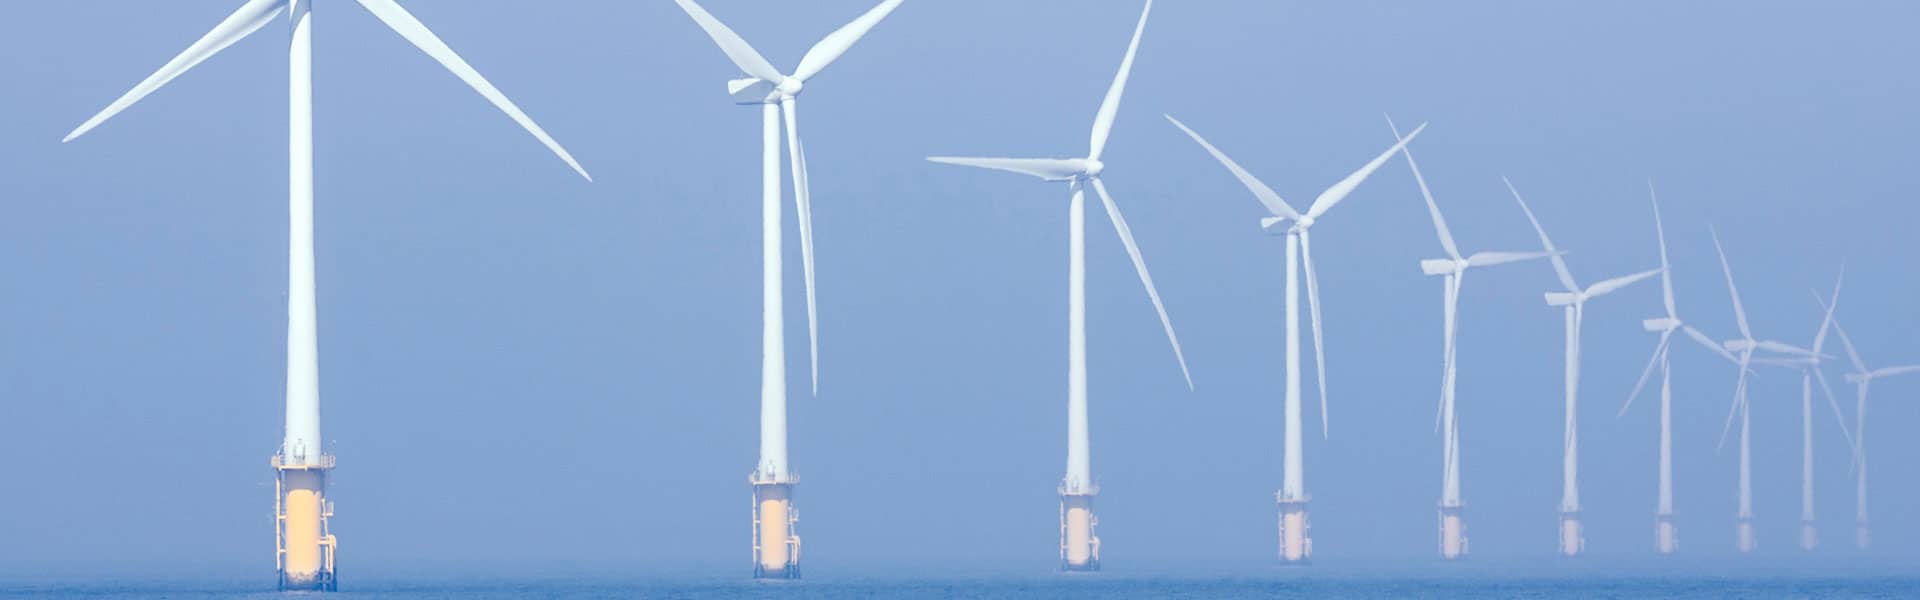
<point>519,365</point>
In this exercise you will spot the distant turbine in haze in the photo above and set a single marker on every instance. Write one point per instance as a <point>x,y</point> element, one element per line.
<point>1294,543</point>
<point>776,545</point>
<point>302,466</point>
<point>1079,545</point>
<point>1809,371</point>
<point>1573,539</point>
<point>1862,378</point>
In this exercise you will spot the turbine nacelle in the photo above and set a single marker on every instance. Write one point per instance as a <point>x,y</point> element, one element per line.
<point>1858,378</point>
<point>1442,266</point>
<point>1662,325</point>
<point>1564,298</point>
<point>1739,345</point>
<point>753,90</point>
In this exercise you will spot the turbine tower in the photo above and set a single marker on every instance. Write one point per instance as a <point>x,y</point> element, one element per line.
<point>1666,532</point>
<point>1809,371</point>
<point>1744,540</point>
<point>1079,542</point>
<point>1295,545</point>
<point>302,466</point>
<point>1573,540</point>
<point>1862,378</point>
<point>1453,270</point>
<point>776,547</point>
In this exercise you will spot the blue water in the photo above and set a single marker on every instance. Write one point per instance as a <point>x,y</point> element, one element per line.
<point>1518,582</point>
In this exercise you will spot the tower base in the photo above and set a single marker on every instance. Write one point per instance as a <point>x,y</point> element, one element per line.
<point>1666,534</point>
<point>1296,541</point>
<point>1809,535</point>
<point>1573,537</point>
<point>1743,536</point>
<point>1079,535</point>
<point>1453,532</point>
<point>303,540</point>
<point>776,545</point>
<point>1862,536</point>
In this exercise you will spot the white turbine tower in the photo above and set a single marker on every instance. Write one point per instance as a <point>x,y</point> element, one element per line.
<point>1809,371</point>
<point>1453,269</point>
<point>1862,378</point>
<point>306,554</point>
<point>1666,533</point>
<point>1079,542</point>
<point>1572,539</point>
<point>1295,545</point>
<point>776,545</point>
<point>1744,540</point>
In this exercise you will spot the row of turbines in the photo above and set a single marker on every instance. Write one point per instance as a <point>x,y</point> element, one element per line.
<point>306,546</point>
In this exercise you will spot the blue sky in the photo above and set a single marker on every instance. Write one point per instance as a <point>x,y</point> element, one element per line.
<point>521,366</point>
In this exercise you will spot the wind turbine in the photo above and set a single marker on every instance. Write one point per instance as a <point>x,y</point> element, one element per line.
<point>1862,378</point>
<point>1079,543</point>
<point>1453,269</point>
<point>1744,539</point>
<point>1666,535</point>
<point>776,546</point>
<point>1295,546</point>
<point>1573,540</point>
<point>306,553</point>
<point>1809,366</point>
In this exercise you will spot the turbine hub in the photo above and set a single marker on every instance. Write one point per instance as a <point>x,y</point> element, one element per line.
<point>1095,168</point>
<point>791,87</point>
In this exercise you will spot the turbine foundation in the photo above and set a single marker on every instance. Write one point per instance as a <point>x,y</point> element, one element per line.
<point>1453,532</point>
<point>1079,538</point>
<point>1296,541</point>
<point>1809,535</point>
<point>776,546</point>
<point>1743,536</point>
<point>304,542</point>
<point>1862,536</point>
<point>1666,534</point>
<point>1573,538</point>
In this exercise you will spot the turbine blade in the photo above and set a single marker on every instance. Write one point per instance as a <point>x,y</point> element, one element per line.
<point>1833,403</point>
<point>1140,266</point>
<point>1739,398</point>
<point>803,206</point>
<point>249,18</point>
<point>1433,208</point>
<point>1891,371</point>
<point>1319,344</point>
<point>1845,342</point>
<point>1709,343</point>
<point>1659,350</point>
<point>1559,266</point>
<point>835,44</point>
<point>1267,196</point>
<point>1739,311</point>
<point>743,55</point>
<point>1820,339</point>
<point>404,23</point>
<point>1612,285</point>
<point>1050,169</point>
<point>1345,187</point>
<point>1489,259</point>
<point>1110,107</point>
<point>1782,348</point>
<point>1666,268</point>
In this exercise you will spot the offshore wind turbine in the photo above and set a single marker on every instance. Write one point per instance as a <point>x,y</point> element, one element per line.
<point>1079,542</point>
<point>1295,545</point>
<point>776,547</point>
<point>1862,378</point>
<point>1666,532</point>
<point>306,546</point>
<point>1453,269</point>
<point>1809,366</point>
<point>1573,539</point>
<point>1744,540</point>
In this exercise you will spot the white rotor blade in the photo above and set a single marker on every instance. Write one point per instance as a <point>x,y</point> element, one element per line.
<point>1433,208</point>
<point>1612,285</point>
<point>404,23</point>
<point>1782,348</point>
<point>1666,268</point>
<point>1267,196</point>
<point>1891,371</point>
<point>743,55</point>
<point>1050,169</point>
<point>1110,107</point>
<point>835,44</point>
<point>1313,304</point>
<point>1345,187</point>
<point>1739,311</point>
<point>1559,265</point>
<point>1845,342</point>
<point>1490,259</point>
<point>243,22</point>
<point>1709,343</point>
<point>1140,265</point>
<point>1833,403</point>
<point>1659,350</point>
<point>1820,339</point>
<point>1739,397</point>
<point>803,206</point>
